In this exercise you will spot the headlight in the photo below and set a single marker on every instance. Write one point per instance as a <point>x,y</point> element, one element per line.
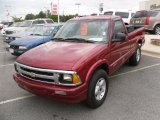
<point>15,31</point>
<point>22,47</point>
<point>72,79</point>
<point>17,68</point>
<point>67,78</point>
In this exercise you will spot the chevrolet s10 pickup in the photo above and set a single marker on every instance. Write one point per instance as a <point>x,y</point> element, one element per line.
<point>75,66</point>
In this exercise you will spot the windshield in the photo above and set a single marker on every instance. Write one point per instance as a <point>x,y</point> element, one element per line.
<point>26,24</point>
<point>43,30</point>
<point>122,14</point>
<point>30,29</point>
<point>108,13</point>
<point>141,14</point>
<point>92,30</point>
<point>16,24</point>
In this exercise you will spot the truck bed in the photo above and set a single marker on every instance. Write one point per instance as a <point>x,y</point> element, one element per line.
<point>131,28</point>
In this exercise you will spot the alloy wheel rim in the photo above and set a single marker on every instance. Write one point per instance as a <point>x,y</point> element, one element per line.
<point>138,55</point>
<point>100,89</point>
<point>158,30</point>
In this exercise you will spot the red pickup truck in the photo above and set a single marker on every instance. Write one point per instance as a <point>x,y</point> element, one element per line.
<point>75,66</point>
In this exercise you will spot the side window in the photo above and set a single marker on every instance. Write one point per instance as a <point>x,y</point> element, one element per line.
<point>132,14</point>
<point>41,22</point>
<point>118,27</point>
<point>108,13</point>
<point>35,22</point>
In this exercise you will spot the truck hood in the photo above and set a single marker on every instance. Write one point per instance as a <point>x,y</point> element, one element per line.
<point>57,55</point>
<point>14,28</point>
<point>30,41</point>
<point>9,28</point>
<point>19,34</point>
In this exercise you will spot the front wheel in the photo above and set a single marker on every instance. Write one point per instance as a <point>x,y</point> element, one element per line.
<point>136,57</point>
<point>157,30</point>
<point>98,89</point>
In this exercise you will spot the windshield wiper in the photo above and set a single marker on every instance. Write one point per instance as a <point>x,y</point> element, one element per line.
<point>73,39</point>
<point>58,39</point>
<point>79,40</point>
<point>36,34</point>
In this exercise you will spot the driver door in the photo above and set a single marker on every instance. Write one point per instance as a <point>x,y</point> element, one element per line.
<point>119,48</point>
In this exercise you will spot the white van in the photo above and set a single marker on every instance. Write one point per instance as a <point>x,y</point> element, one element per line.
<point>126,15</point>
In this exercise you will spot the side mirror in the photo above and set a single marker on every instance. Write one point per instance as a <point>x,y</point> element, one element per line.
<point>119,37</point>
<point>53,34</point>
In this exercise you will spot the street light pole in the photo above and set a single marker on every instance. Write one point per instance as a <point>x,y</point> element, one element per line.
<point>51,9</point>
<point>58,12</point>
<point>78,4</point>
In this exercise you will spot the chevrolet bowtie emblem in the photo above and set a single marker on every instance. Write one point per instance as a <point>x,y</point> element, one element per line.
<point>33,75</point>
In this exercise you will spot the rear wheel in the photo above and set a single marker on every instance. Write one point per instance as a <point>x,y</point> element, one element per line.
<point>98,89</point>
<point>157,30</point>
<point>136,57</point>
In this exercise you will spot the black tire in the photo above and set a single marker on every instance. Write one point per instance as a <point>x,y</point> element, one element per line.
<point>134,61</point>
<point>92,101</point>
<point>156,30</point>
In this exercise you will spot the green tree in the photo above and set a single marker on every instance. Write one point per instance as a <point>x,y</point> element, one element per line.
<point>53,17</point>
<point>41,15</point>
<point>17,19</point>
<point>29,16</point>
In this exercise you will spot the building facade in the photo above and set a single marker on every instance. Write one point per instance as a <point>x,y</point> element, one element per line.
<point>150,5</point>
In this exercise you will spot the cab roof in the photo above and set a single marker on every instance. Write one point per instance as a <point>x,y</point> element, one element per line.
<point>96,17</point>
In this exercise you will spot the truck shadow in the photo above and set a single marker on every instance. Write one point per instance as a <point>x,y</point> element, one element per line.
<point>123,92</point>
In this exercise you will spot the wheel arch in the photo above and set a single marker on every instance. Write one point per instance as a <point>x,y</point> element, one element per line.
<point>157,24</point>
<point>98,65</point>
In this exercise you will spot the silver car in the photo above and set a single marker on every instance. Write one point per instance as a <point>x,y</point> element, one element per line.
<point>148,19</point>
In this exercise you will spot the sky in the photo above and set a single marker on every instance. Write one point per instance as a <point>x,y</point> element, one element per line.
<point>20,8</point>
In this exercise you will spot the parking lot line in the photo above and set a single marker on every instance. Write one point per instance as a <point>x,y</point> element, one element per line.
<point>3,52</point>
<point>25,97</point>
<point>1,66</point>
<point>16,99</point>
<point>143,68</point>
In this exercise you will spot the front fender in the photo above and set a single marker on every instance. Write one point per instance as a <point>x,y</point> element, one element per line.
<point>37,43</point>
<point>156,23</point>
<point>94,68</point>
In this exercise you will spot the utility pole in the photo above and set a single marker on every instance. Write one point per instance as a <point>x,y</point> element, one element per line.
<point>101,8</point>
<point>78,4</point>
<point>58,12</point>
<point>51,8</point>
<point>8,14</point>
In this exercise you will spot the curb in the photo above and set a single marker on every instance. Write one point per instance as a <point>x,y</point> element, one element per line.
<point>152,53</point>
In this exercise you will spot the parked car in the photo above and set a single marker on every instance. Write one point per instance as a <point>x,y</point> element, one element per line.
<point>12,27</point>
<point>148,19</point>
<point>43,21</point>
<point>15,36</point>
<point>28,23</point>
<point>126,15</point>
<point>4,24</point>
<point>75,66</point>
<point>1,26</point>
<point>37,21</point>
<point>40,35</point>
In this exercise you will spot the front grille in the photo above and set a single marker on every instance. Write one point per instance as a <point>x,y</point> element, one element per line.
<point>43,75</point>
<point>37,74</point>
<point>14,47</point>
<point>9,32</point>
<point>38,78</point>
<point>11,38</point>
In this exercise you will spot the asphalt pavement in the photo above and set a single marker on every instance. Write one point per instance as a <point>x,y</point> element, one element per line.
<point>133,95</point>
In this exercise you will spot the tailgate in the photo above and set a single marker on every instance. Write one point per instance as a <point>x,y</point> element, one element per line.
<point>138,33</point>
<point>139,21</point>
